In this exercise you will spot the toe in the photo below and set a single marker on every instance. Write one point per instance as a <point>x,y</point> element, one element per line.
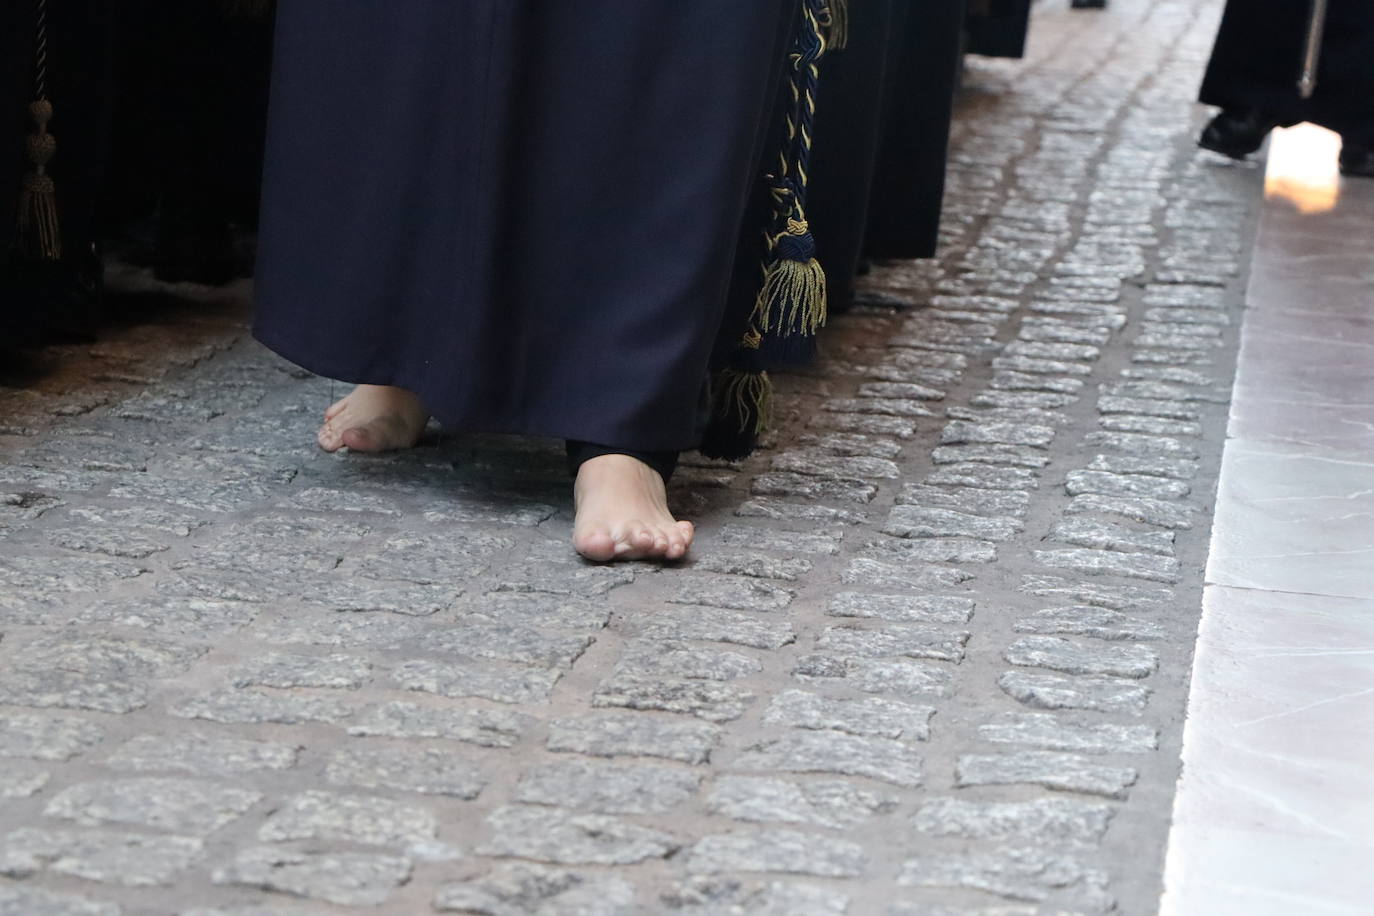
<point>329,439</point>
<point>661,544</point>
<point>359,439</point>
<point>595,545</point>
<point>335,409</point>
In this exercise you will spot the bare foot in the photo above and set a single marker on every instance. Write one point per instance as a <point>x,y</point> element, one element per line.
<point>622,512</point>
<point>374,418</point>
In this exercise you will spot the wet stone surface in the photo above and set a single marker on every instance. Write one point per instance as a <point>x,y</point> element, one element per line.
<point>928,655</point>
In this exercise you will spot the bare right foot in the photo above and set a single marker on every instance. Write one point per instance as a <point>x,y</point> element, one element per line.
<point>374,418</point>
<point>622,513</point>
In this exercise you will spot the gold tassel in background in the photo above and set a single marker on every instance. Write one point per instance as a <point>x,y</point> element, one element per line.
<point>837,38</point>
<point>40,235</point>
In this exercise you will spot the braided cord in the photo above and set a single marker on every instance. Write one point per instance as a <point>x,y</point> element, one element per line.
<point>40,75</point>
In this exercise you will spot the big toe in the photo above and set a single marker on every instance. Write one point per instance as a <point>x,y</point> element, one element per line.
<point>360,439</point>
<point>596,544</point>
<point>329,438</point>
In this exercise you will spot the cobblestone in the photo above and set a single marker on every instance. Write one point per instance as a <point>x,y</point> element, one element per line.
<point>483,727</point>
<point>1112,563</point>
<point>426,770</point>
<point>838,754</point>
<point>825,803</point>
<point>505,684</point>
<point>1058,733</point>
<point>134,859</point>
<point>1058,820</point>
<point>1067,772</point>
<point>18,900</point>
<point>185,806</point>
<point>899,608</point>
<point>561,838</point>
<point>46,737</point>
<point>1015,873</point>
<point>1051,691</point>
<point>21,780</point>
<point>368,820</point>
<point>517,889</point>
<point>777,850</point>
<point>1139,509</point>
<point>608,788</point>
<point>731,592</point>
<point>243,706</point>
<point>873,716</point>
<point>345,878</point>
<point>921,522</point>
<point>1099,623</point>
<point>620,734</point>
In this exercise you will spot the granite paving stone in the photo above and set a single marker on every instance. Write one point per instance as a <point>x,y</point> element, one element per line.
<point>777,850</point>
<point>1053,819</point>
<point>832,803</point>
<point>519,888</point>
<point>1066,733</point>
<point>608,788</point>
<point>344,878</point>
<point>563,838</point>
<point>839,754</point>
<point>186,806</point>
<point>1053,770</point>
<point>872,716</point>
<point>133,859</point>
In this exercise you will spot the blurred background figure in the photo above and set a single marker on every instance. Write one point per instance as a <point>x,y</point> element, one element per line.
<point>1257,65</point>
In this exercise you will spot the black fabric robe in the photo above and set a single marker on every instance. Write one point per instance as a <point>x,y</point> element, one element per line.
<point>526,212</point>
<point>1258,57</point>
<point>882,135</point>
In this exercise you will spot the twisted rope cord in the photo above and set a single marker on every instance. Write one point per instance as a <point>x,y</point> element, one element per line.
<point>40,77</point>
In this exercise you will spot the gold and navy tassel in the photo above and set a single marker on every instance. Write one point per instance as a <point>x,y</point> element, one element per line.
<point>741,403</point>
<point>791,304</point>
<point>39,233</point>
<point>837,36</point>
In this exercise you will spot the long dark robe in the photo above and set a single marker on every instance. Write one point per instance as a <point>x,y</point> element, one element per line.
<point>1258,57</point>
<point>525,212</point>
<point>882,135</point>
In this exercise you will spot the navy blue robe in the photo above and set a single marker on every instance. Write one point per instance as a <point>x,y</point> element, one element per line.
<point>525,212</point>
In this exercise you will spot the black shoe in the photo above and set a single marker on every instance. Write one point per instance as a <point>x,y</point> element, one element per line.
<point>1237,132</point>
<point>1357,161</point>
<point>1088,4</point>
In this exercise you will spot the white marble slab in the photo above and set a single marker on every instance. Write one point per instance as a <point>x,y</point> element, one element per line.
<point>1290,520</point>
<point>1275,812</point>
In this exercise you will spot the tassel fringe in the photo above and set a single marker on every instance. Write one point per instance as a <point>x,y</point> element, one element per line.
<point>837,38</point>
<point>741,407</point>
<point>793,298</point>
<point>39,232</point>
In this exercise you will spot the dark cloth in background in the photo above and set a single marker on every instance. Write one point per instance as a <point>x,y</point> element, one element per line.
<point>882,134</point>
<point>190,108</point>
<point>997,28</point>
<point>1258,57</point>
<point>527,213</point>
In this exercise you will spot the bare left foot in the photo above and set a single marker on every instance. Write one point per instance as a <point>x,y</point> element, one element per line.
<point>622,512</point>
<point>374,418</point>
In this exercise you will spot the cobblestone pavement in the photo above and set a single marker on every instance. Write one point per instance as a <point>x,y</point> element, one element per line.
<point>930,656</point>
